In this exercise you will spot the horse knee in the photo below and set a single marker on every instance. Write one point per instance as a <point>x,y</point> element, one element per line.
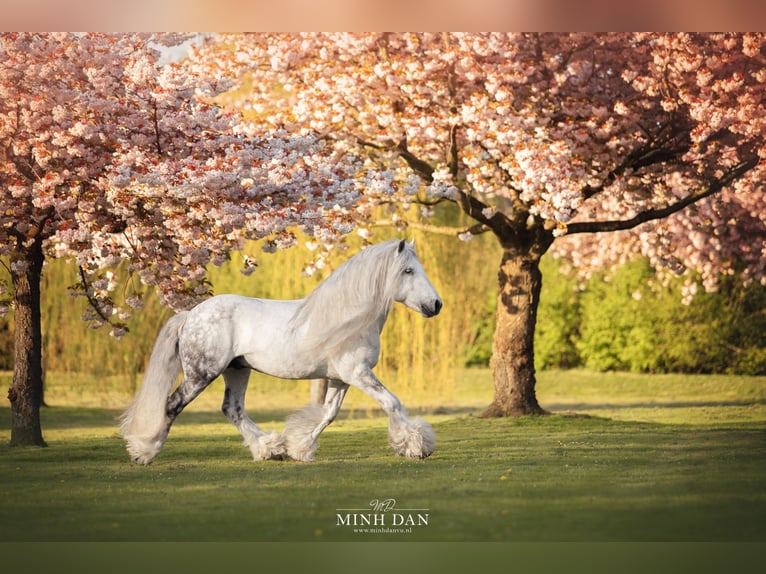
<point>226,406</point>
<point>330,416</point>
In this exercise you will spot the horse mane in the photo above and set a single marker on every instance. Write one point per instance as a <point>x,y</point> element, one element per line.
<point>353,297</point>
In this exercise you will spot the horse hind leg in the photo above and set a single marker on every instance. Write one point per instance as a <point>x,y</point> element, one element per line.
<point>302,429</point>
<point>187,391</point>
<point>263,445</point>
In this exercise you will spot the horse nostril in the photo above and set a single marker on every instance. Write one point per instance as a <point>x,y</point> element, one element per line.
<point>437,306</point>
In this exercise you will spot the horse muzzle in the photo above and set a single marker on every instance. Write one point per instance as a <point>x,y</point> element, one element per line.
<point>431,310</point>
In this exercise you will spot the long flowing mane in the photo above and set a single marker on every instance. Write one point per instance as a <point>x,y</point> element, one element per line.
<point>354,296</point>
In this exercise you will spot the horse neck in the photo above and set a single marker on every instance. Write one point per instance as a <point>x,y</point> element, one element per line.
<point>378,301</point>
<point>370,314</point>
<point>382,317</point>
<point>333,322</point>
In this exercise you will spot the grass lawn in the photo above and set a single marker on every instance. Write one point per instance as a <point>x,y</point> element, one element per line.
<point>658,458</point>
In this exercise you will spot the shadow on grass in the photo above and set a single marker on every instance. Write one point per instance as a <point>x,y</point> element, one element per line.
<point>652,405</point>
<point>64,418</point>
<point>67,418</point>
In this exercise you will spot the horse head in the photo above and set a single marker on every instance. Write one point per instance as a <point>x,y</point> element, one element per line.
<point>414,289</point>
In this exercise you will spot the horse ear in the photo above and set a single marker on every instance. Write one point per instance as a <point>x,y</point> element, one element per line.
<point>402,243</point>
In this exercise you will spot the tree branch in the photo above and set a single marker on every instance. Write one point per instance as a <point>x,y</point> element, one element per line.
<point>519,208</point>
<point>156,121</point>
<point>477,229</point>
<point>422,168</point>
<point>452,159</point>
<point>661,213</point>
<point>669,143</point>
<point>94,304</point>
<point>361,142</point>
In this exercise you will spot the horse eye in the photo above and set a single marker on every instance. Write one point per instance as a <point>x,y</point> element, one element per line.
<point>408,271</point>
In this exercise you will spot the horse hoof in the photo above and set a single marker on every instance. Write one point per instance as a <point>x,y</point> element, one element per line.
<point>143,461</point>
<point>413,439</point>
<point>269,446</point>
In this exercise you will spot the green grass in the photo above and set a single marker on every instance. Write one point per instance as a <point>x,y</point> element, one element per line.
<point>679,458</point>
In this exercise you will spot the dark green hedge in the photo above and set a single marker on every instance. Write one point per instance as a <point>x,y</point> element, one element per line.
<point>627,319</point>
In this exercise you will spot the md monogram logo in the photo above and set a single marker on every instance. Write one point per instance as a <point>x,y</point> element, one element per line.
<point>382,517</point>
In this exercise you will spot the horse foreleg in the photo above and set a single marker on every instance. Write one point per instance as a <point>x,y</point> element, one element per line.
<point>413,438</point>
<point>263,445</point>
<point>302,429</point>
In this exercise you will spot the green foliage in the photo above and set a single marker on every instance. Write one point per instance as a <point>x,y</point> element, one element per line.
<point>631,322</point>
<point>615,330</point>
<point>626,319</point>
<point>558,319</point>
<point>478,351</point>
<point>6,345</point>
<point>744,322</point>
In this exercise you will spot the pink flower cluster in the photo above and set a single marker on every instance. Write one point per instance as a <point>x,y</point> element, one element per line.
<point>110,156</point>
<point>563,133</point>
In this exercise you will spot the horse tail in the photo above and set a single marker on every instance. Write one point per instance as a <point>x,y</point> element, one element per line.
<point>143,423</point>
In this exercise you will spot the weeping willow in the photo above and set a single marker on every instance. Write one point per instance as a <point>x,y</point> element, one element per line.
<point>418,356</point>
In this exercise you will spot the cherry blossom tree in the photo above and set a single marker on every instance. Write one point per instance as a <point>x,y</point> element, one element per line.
<point>109,156</point>
<point>654,141</point>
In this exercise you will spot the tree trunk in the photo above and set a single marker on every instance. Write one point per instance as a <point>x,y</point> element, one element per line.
<point>26,393</point>
<point>513,355</point>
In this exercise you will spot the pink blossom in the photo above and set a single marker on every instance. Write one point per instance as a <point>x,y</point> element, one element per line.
<point>563,132</point>
<point>123,158</point>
